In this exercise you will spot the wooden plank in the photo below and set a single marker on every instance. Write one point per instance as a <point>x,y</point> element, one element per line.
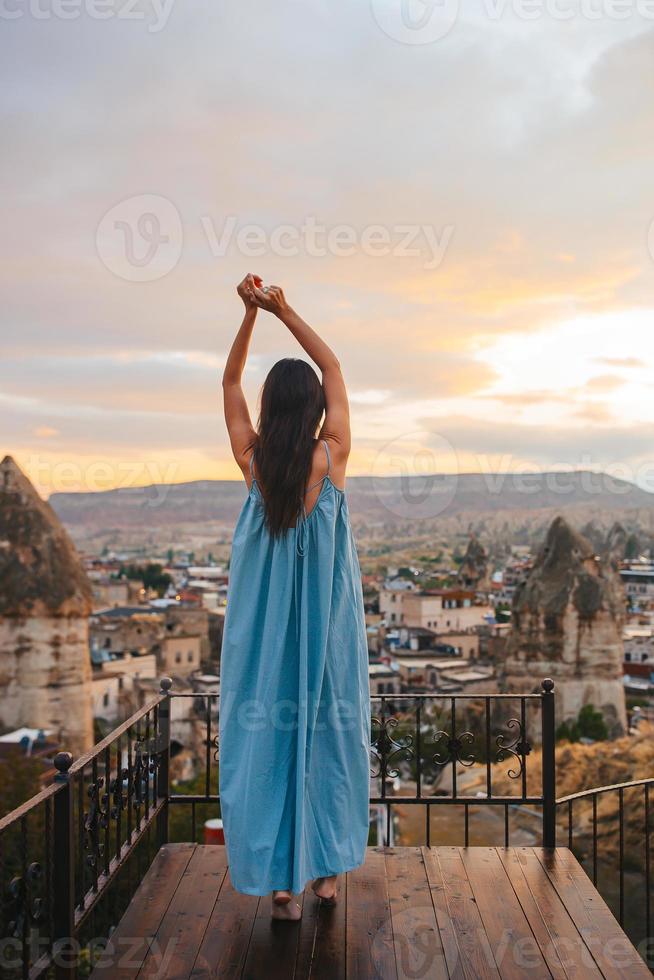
<point>613,952</point>
<point>174,948</point>
<point>130,941</point>
<point>273,945</point>
<point>548,918</point>
<point>441,911</point>
<point>225,943</point>
<point>369,952</point>
<point>564,938</point>
<point>467,950</point>
<point>416,938</point>
<point>514,946</point>
<point>321,946</point>
<point>307,933</point>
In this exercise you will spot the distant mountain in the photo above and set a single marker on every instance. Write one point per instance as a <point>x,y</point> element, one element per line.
<point>372,500</point>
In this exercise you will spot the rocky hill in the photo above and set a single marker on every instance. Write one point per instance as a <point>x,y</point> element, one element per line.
<point>373,501</point>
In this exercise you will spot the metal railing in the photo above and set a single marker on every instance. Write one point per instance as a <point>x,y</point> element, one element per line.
<point>584,816</point>
<point>429,736</point>
<point>65,853</point>
<point>438,737</point>
<point>63,850</point>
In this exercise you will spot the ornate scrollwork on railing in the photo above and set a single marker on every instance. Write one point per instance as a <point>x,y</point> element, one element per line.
<point>26,903</point>
<point>517,748</point>
<point>147,760</point>
<point>457,746</point>
<point>388,750</point>
<point>117,793</point>
<point>94,819</point>
<point>215,741</point>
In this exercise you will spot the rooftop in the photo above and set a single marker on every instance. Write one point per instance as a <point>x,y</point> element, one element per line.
<point>468,675</point>
<point>31,734</point>
<point>422,662</point>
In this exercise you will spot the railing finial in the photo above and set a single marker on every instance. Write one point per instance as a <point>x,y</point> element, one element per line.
<point>62,763</point>
<point>166,683</point>
<point>547,685</point>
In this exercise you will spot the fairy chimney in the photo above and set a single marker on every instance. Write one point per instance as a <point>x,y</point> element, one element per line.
<point>568,617</point>
<point>45,601</point>
<point>473,572</point>
<point>616,545</point>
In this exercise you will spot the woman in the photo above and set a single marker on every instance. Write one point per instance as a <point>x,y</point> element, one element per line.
<point>295,697</point>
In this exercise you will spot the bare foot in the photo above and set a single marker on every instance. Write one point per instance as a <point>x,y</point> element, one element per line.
<point>285,909</point>
<point>325,888</point>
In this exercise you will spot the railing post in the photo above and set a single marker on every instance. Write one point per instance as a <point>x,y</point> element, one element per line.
<point>548,742</point>
<point>63,873</point>
<point>163,781</point>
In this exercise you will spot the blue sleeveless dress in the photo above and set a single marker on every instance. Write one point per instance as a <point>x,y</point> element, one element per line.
<point>294,723</point>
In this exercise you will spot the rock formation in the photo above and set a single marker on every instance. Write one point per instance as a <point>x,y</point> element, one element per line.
<point>473,572</point>
<point>567,624</point>
<point>45,601</point>
<point>615,547</point>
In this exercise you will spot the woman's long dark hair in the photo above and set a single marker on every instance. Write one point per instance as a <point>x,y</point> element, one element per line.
<point>292,405</point>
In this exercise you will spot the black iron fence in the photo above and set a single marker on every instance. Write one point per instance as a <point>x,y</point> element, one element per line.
<point>71,857</point>
<point>433,740</point>
<point>429,740</point>
<point>65,850</point>
<point>609,829</point>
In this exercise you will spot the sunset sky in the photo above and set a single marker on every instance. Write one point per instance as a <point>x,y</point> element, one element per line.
<point>466,218</point>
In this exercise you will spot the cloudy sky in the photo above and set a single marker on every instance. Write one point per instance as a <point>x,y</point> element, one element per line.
<point>461,200</point>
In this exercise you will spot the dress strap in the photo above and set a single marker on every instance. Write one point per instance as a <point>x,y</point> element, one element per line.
<point>327,454</point>
<point>329,463</point>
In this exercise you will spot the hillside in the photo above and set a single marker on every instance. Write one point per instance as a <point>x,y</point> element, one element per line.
<point>373,501</point>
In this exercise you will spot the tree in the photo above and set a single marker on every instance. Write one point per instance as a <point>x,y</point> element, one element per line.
<point>632,547</point>
<point>588,724</point>
<point>591,724</point>
<point>20,781</point>
<point>152,576</point>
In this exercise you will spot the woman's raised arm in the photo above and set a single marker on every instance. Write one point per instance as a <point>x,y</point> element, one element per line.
<point>336,427</point>
<point>237,415</point>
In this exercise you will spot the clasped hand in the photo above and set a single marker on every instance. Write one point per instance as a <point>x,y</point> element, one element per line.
<point>254,293</point>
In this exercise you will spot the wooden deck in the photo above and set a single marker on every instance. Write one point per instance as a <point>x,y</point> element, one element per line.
<point>408,912</point>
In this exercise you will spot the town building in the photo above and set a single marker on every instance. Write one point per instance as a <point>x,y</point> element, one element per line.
<point>441,610</point>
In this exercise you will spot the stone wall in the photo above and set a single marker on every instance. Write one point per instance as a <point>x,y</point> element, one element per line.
<point>45,678</point>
